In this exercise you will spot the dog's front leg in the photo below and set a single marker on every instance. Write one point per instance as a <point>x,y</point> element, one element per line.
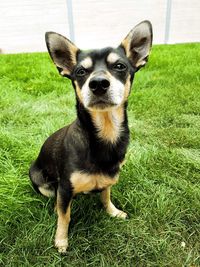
<point>63,210</point>
<point>109,206</point>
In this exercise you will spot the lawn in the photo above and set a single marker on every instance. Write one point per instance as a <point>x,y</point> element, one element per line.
<point>159,185</point>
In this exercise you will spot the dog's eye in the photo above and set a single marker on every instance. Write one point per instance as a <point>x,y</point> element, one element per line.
<point>81,72</point>
<point>119,67</point>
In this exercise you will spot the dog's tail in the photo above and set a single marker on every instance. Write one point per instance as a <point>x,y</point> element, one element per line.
<point>41,182</point>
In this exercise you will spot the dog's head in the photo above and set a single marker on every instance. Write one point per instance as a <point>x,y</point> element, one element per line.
<point>102,78</point>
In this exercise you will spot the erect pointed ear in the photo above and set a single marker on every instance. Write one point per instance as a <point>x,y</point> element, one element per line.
<point>137,44</point>
<point>62,51</point>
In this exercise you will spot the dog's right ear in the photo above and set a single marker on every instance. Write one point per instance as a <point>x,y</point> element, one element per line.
<point>137,44</point>
<point>62,51</point>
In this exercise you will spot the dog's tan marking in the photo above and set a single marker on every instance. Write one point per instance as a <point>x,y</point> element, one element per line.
<point>112,57</point>
<point>61,238</point>
<point>65,72</point>
<point>126,44</point>
<point>78,91</point>
<point>109,206</point>
<point>108,123</point>
<point>86,63</point>
<point>84,182</point>
<point>127,88</point>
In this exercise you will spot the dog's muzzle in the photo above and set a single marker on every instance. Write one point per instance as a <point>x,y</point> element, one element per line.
<point>103,92</point>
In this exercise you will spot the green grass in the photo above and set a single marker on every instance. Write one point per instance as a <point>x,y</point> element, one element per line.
<point>159,185</point>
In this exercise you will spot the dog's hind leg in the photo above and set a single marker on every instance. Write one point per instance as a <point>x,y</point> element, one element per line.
<point>109,206</point>
<point>41,182</point>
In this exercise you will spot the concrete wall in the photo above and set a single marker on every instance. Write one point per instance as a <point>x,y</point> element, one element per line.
<point>93,23</point>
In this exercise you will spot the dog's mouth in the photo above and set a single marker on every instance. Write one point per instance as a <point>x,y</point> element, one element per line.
<point>101,104</point>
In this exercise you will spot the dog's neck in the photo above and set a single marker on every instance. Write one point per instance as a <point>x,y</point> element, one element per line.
<point>107,148</point>
<point>108,126</point>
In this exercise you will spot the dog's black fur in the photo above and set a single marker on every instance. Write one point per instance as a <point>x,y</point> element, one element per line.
<point>83,148</point>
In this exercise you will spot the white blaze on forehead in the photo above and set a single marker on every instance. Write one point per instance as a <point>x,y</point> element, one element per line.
<point>112,57</point>
<point>86,63</point>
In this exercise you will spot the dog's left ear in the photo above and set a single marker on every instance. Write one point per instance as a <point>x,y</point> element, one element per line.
<point>62,51</point>
<point>137,44</point>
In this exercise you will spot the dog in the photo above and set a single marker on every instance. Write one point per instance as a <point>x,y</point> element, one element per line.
<point>86,155</point>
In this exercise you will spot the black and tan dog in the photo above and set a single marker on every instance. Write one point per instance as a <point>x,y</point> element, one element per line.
<point>86,155</point>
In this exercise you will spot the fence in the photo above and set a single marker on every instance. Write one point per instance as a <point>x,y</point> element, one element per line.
<point>94,24</point>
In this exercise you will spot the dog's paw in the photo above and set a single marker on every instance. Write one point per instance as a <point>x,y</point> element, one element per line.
<point>114,212</point>
<point>121,214</point>
<point>61,245</point>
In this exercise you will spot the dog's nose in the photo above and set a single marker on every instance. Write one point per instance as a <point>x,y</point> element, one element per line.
<point>99,85</point>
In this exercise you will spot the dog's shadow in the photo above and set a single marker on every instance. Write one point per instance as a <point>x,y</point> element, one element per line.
<point>86,211</point>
